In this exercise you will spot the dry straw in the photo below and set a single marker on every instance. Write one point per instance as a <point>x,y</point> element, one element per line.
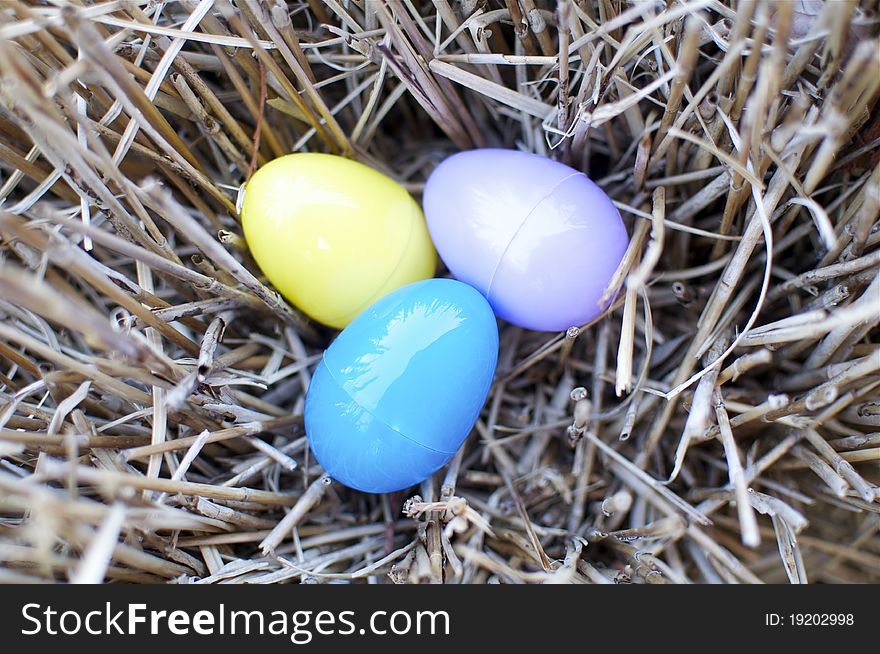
<point>718,424</point>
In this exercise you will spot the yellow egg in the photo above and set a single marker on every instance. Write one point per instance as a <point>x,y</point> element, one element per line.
<point>333,235</point>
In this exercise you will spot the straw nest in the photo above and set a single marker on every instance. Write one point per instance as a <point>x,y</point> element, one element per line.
<point>718,424</point>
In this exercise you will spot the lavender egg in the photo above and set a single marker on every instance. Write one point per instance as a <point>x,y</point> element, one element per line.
<point>537,238</point>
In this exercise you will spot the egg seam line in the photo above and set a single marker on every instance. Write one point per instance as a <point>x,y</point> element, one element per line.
<point>375,417</point>
<point>519,229</point>
<point>373,297</point>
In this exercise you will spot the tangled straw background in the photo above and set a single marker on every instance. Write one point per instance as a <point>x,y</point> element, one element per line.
<point>718,424</point>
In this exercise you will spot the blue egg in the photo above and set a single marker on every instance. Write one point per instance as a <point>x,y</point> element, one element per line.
<point>399,390</point>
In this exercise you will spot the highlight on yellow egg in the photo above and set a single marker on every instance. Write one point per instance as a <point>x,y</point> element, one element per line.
<point>333,235</point>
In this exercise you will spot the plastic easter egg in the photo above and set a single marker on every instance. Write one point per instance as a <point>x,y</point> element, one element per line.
<point>332,235</point>
<point>400,388</point>
<point>537,238</point>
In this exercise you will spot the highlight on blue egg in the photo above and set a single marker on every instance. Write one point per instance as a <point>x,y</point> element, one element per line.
<point>398,391</point>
